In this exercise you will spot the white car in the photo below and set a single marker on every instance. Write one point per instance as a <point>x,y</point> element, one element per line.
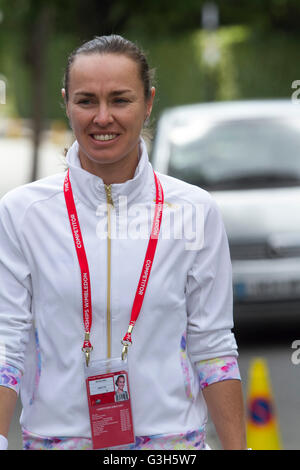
<point>247,155</point>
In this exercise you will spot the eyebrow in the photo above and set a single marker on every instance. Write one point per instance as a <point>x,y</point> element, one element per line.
<point>113,93</point>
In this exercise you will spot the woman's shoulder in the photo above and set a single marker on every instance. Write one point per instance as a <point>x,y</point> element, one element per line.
<point>177,189</point>
<point>21,197</point>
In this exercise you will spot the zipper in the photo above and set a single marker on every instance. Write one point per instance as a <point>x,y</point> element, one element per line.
<point>110,204</point>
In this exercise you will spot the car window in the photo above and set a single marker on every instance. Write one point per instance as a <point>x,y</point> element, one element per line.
<point>238,154</point>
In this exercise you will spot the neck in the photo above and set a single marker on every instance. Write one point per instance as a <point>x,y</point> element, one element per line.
<point>112,173</point>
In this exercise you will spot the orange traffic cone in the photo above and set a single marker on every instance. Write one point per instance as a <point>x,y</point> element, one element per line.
<point>262,428</point>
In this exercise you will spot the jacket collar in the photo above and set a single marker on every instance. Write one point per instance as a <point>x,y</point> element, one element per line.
<point>90,189</point>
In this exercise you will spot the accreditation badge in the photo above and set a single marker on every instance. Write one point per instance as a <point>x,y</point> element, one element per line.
<point>109,403</point>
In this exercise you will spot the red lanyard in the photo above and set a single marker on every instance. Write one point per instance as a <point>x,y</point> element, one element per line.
<point>142,285</point>
<point>84,268</point>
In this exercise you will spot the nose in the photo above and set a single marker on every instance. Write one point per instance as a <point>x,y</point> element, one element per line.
<point>103,117</point>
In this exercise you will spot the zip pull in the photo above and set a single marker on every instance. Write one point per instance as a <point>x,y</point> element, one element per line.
<point>108,194</point>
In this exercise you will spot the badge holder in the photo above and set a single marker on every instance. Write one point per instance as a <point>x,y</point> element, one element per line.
<point>109,403</point>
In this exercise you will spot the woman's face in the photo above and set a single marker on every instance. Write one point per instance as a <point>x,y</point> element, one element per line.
<point>121,383</point>
<point>106,108</point>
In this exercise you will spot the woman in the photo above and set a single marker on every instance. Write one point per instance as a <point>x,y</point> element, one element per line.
<point>182,359</point>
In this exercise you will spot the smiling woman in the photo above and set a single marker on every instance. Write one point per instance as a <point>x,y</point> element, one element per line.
<point>77,291</point>
<point>108,96</point>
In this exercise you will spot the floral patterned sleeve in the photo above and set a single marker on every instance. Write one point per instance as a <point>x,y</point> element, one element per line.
<point>10,377</point>
<point>217,369</point>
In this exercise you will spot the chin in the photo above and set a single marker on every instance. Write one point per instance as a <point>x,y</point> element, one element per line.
<point>104,156</point>
<point>100,157</point>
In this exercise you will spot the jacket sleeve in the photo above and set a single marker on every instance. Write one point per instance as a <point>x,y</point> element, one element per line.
<point>209,294</point>
<point>15,301</point>
<point>10,377</point>
<point>216,370</point>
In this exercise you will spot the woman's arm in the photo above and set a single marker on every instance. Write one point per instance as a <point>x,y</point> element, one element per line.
<point>211,343</point>
<point>225,404</point>
<point>8,399</point>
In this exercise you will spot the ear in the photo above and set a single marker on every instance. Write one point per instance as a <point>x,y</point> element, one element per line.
<point>63,94</point>
<point>150,103</point>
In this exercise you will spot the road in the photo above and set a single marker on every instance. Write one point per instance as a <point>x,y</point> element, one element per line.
<point>272,340</point>
<point>15,161</point>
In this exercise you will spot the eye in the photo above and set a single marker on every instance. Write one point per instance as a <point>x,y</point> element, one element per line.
<point>84,101</point>
<point>121,100</point>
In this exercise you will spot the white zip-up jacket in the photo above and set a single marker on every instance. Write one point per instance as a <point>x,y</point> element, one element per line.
<point>186,316</point>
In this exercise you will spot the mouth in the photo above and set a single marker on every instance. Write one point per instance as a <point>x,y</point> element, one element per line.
<point>109,137</point>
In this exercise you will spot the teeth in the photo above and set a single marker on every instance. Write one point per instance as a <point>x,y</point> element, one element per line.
<point>104,137</point>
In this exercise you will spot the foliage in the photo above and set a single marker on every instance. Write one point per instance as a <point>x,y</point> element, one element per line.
<point>256,59</point>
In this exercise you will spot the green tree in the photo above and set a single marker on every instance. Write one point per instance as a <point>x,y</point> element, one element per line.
<point>36,22</point>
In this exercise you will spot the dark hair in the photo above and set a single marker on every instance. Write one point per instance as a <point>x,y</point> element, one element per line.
<point>113,44</point>
<point>120,376</point>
